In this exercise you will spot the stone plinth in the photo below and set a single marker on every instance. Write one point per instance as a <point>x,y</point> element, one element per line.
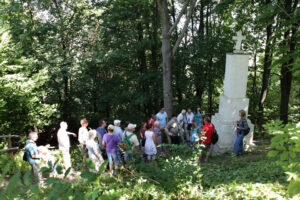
<point>231,102</point>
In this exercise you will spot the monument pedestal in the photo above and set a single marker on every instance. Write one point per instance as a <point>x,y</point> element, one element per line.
<point>231,102</point>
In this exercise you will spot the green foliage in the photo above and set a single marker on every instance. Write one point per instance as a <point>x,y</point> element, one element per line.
<point>286,145</point>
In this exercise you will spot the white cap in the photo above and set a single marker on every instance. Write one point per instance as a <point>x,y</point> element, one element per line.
<point>116,122</point>
<point>131,126</point>
<point>183,111</point>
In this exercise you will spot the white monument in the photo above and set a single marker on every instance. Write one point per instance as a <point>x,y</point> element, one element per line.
<point>233,100</point>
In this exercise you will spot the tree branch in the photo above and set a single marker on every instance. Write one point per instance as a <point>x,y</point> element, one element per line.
<point>186,23</point>
<point>179,17</point>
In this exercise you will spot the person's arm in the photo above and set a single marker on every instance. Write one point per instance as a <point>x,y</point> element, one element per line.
<point>70,133</point>
<point>80,137</point>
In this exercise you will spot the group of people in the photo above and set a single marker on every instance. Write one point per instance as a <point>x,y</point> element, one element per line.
<point>117,145</point>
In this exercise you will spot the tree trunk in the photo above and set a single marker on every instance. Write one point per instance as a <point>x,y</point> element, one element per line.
<point>167,57</point>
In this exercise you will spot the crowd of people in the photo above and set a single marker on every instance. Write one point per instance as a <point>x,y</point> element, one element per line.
<point>117,145</point>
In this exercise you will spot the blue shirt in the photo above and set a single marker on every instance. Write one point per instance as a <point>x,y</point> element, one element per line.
<point>118,131</point>
<point>162,118</point>
<point>101,131</point>
<point>197,118</point>
<point>31,149</point>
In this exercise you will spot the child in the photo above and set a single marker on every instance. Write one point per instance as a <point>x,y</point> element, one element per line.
<point>94,150</point>
<point>151,143</point>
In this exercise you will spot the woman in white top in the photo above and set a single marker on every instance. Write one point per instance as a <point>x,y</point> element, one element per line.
<point>151,143</point>
<point>94,150</point>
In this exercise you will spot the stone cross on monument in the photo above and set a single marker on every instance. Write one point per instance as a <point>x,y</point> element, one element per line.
<point>239,38</point>
<point>233,100</point>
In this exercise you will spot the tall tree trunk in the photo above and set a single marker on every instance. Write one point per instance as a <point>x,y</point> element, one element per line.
<point>266,75</point>
<point>167,56</point>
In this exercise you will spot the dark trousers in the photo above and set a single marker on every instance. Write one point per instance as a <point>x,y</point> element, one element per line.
<point>175,139</point>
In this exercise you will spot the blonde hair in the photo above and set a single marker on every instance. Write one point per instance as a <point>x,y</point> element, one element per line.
<point>242,113</point>
<point>92,134</point>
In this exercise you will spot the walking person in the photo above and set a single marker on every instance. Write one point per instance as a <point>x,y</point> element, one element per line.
<point>198,117</point>
<point>33,157</point>
<point>94,151</point>
<point>172,129</point>
<point>241,128</point>
<point>111,142</point>
<point>83,135</point>
<point>157,132</point>
<point>151,143</point>
<point>206,134</point>
<point>64,143</point>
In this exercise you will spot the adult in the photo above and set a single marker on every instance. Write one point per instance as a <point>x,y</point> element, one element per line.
<point>130,141</point>
<point>33,156</point>
<point>198,117</point>
<point>182,120</point>
<point>64,143</point>
<point>117,129</point>
<point>206,134</point>
<point>142,134</point>
<point>190,120</point>
<point>83,135</point>
<point>241,127</point>
<point>101,131</point>
<point>157,132</point>
<point>162,117</point>
<point>152,120</point>
<point>173,130</point>
<point>94,150</point>
<point>111,142</point>
<point>151,143</point>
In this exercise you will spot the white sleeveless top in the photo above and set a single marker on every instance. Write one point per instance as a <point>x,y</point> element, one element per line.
<point>150,148</point>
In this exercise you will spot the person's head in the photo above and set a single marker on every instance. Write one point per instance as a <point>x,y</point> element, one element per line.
<point>117,122</point>
<point>195,125</point>
<point>242,114</point>
<point>183,112</point>
<point>33,136</point>
<point>206,120</point>
<point>131,127</point>
<point>63,125</point>
<point>174,117</point>
<point>153,117</point>
<point>110,128</point>
<point>162,110</point>
<point>198,109</point>
<point>84,122</point>
<point>92,134</point>
<point>149,126</point>
<point>143,124</point>
<point>157,124</point>
<point>102,123</point>
<point>189,110</point>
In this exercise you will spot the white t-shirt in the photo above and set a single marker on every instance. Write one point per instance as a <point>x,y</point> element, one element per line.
<point>133,140</point>
<point>190,117</point>
<point>83,135</point>
<point>63,139</point>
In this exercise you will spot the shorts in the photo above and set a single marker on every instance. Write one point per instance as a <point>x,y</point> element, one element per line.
<point>113,157</point>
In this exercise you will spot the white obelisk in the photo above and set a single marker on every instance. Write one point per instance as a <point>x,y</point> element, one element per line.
<point>233,99</point>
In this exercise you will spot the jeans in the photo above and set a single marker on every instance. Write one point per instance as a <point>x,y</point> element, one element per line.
<point>238,145</point>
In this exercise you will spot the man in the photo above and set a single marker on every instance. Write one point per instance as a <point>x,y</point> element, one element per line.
<point>101,131</point>
<point>64,143</point>
<point>33,157</point>
<point>190,120</point>
<point>173,130</point>
<point>206,134</point>
<point>182,120</point>
<point>130,141</point>
<point>83,136</point>
<point>117,129</point>
<point>162,117</point>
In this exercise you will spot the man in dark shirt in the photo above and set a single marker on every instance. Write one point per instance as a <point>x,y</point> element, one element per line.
<point>101,131</point>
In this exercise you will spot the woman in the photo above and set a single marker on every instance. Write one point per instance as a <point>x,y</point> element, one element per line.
<point>157,132</point>
<point>94,150</point>
<point>241,127</point>
<point>150,144</point>
<point>197,117</point>
<point>111,142</point>
<point>195,132</point>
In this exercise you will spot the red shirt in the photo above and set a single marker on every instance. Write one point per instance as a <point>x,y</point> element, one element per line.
<point>151,121</point>
<point>142,132</point>
<point>207,130</point>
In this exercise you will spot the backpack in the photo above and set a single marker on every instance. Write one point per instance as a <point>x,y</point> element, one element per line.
<point>215,136</point>
<point>127,143</point>
<point>247,130</point>
<point>25,156</point>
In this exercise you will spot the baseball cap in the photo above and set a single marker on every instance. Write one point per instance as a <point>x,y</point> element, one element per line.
<point>131,126</point>
<point>116,122</point>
